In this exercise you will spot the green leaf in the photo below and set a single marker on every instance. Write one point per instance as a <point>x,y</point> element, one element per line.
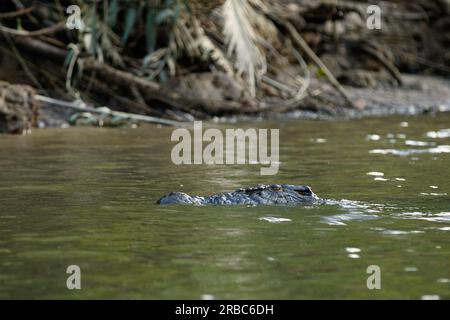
<point>130,21</point>
<point>320,74</point>
<point>93,46</point>
<point>150,30</point>
<point>19,24</point>
<point>168,3</point>
<point>68,58</point>
<point>113,12</point>
<point>163,76</point>
<point>164,15</point>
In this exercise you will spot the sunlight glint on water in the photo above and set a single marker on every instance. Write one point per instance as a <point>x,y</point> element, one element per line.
<point>87,197</point>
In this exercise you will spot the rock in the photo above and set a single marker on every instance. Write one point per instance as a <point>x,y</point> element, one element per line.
<point>18,110</point>
<point>360,104</point>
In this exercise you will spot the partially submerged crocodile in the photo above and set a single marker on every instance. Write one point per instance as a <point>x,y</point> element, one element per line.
<point>283,194</point>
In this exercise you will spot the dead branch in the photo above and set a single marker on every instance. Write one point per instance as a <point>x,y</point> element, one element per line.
<point>311,54</point>
<point>23,33</point>
<point>154,91</point>
<point>85,108</point>
<point>385,62</point>
<point>13,14</point>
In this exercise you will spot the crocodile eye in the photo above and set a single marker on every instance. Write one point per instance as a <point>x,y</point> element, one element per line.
<point>276,189</point>
<point>304,192</point>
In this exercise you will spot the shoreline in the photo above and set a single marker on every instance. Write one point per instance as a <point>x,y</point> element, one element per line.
<point>419,95</point>
<point>320,60</point>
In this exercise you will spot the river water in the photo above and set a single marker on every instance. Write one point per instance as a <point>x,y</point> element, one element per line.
<point>87,197</point>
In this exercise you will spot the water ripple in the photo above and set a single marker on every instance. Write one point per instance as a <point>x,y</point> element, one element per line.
<point>427,216</point>
<point>274,219</point>
<point>444,133</point>
<point>407,152</point>
<point>338,219</point>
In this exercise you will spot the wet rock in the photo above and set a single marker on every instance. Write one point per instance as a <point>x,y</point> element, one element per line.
<point>18,110</point>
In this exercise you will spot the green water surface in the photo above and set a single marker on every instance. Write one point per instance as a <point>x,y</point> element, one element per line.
<point>87,197</point>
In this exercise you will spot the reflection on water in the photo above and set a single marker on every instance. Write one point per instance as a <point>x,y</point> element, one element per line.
<point>435,149</point>
<point>87,197</point>
<point>407,152</point>
<point>338,220</point>
<point>440,134</point>
<point>419,143</point>
<point>274,219</point>
<point>434,217</point>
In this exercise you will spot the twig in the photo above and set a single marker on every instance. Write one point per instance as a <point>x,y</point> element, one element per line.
<point>22,62</point>
<point>132,116</point>
<point>37,46</point>
<point>13,14</point>
<point>391,68</point>
<point>23,33</point>
<point>433,65</point>
<point>305,47</point>
<point>278,85</point>
<point>154,91</point>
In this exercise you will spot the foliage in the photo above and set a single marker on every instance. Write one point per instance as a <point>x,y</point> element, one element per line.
<point>157,38</point>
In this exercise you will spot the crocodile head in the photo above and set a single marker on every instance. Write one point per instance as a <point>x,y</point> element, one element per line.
<point>181,198</point>
<point>279,194</point>
<point>261,194</point>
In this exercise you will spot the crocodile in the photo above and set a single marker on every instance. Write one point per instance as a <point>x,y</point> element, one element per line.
<point>275,194</point>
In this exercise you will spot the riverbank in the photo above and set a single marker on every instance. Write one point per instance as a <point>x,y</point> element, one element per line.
<point>322,60</point>
<point>419,95</point>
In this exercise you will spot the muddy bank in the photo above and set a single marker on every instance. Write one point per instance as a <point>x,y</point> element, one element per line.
<point>318,60</point>
<point>419,95</point>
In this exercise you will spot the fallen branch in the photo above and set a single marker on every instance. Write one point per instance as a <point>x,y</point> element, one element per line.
<point>126,115</point>
<point>23,33</point>
<point>37,46</point>
<point>13,14</point>
<point>390,67</point>
<point>150,89</point>
<point>430,64</point>
<point>154,91</point>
